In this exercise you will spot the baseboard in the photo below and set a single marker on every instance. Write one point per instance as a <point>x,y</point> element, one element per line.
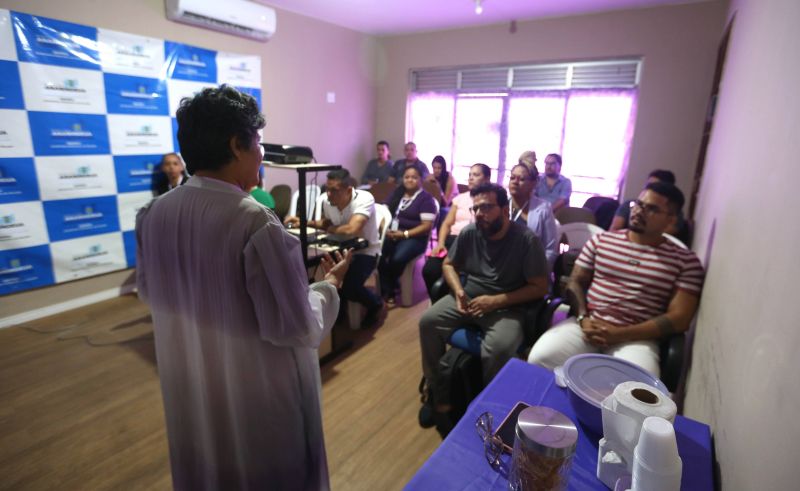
<point>58,308</point>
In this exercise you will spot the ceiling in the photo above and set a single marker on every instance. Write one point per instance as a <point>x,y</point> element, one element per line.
<point>388,17</point>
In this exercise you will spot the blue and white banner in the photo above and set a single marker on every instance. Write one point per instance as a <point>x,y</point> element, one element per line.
<point>18,180</point>
<point>81,176</point>
<point>134,173</point>
<point>128,54</point>
<point>23,269</point>
<point>135,135</point>
<point>7,49</point>
<point>55,42</point>
<point>15,134</point>
<point>64,90</point>
<point>71,218</point>
<point>136,95</point>
<point>69,134</point>
<point>129,205</point>
<point>86,115</point>
<point>10,86</point>
<point>22,225</point>
<point>89,256</point>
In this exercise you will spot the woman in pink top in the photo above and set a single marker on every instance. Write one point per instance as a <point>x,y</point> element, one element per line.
<point>457,218</point>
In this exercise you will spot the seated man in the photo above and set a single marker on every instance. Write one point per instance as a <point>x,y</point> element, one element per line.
<point>459,216</point>
<point>411,160</point>
<point>641,287</point>
<point>379,169</point>
<point>623,215</point>
<point>505,268</point>
<point>554,188</point>
<point>349,211</point>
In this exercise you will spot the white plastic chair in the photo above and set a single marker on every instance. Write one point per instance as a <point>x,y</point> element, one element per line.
<point>675,241</point>
<point>318,206</point>
<point>312,193</point>
<point>577,233</point>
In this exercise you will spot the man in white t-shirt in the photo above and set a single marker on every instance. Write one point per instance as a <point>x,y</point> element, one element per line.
<point>349,211</point>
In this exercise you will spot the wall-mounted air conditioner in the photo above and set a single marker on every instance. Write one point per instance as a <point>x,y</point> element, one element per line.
<point>238,17</point>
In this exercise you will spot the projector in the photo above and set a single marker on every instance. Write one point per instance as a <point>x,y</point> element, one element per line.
<point>287,154</point>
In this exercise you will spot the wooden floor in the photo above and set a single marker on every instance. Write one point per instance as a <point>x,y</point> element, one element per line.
<point>80,404</point>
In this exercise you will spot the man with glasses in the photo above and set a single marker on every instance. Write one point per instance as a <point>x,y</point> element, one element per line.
<point>554,188</point>
<point>629,288</point>
<point>623,214</point>
<point>505,268</point>
<point>349,211</point>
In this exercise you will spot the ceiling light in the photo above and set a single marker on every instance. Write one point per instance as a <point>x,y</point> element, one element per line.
<point>478,7</point>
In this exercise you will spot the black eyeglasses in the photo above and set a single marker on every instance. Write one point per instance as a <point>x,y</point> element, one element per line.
<point>484,208</point>
<point>647,208</point>
<point>492,444</point>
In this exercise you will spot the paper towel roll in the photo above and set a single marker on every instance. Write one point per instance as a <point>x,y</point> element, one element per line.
<point>641,401</point>
<point>624,411</point>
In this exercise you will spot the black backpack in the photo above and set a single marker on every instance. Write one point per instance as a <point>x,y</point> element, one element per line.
<point>460,381</point>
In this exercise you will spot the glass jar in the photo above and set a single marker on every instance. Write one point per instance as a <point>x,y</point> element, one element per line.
<point>543,448</point>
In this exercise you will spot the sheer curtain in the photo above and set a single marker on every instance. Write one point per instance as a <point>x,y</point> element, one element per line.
<point>592,129</point>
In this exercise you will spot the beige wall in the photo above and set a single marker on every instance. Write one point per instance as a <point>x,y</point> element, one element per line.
<point>300,64</point>
<point>678,45</point>
<point>744,373</point>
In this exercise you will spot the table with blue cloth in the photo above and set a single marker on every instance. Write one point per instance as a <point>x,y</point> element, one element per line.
<point>460,463</point>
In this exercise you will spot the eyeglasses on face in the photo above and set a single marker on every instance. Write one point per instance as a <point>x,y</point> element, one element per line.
<point>647,208</point>
<point>492,444</point>
<point>483,208</point>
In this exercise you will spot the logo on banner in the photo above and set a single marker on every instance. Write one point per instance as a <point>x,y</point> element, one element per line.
<point>15,265</point>
<point>88,213</point>
<point>93,251</point>
<point>242,67</point>
<point>5,179</point>
<point>145,130</point>
<point>81,172</point>
<point>5,139</point>
<point>61,43</point>
<point>68,85</point>
<point>76,131</point>
<point>9,221</point>
<point>194,61</point>
<point>136,50</point>
<point>149,167</point>
<point>141,92</point>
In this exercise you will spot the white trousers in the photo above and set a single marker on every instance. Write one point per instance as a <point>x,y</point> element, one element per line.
<point>565,339</point>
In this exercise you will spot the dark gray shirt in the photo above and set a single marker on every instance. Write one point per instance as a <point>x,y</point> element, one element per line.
<point>497,266</point>
<point>376,172</point>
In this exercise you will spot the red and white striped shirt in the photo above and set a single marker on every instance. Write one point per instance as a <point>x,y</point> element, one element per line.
<point>632,282</point>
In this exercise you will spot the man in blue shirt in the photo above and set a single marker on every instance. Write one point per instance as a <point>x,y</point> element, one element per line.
<point>554,188</point>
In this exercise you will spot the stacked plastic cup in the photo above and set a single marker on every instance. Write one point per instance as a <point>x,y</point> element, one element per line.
<point>656,464</point>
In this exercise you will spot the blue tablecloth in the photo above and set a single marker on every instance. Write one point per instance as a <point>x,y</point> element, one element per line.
<point>459,462</point>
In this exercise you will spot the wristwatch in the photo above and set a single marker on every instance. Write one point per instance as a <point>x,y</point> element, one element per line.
<point>580,318</point>
<point>405,233</point>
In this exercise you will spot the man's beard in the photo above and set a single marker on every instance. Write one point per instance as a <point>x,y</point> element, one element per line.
<point>491,228</point>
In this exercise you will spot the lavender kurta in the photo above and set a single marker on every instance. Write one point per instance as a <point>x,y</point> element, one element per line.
<point>236,331</point>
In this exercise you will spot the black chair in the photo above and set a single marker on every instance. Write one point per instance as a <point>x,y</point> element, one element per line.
<point>603,208</point>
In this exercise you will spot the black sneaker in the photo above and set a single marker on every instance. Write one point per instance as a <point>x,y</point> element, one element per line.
<point>444,423</point>
<point>426,415</point>
<point>373,317</point>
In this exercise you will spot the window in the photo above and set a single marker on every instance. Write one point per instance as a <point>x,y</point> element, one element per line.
<point>564,109</point>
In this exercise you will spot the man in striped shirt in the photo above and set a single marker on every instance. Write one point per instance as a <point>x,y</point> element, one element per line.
<point>629,288</point>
